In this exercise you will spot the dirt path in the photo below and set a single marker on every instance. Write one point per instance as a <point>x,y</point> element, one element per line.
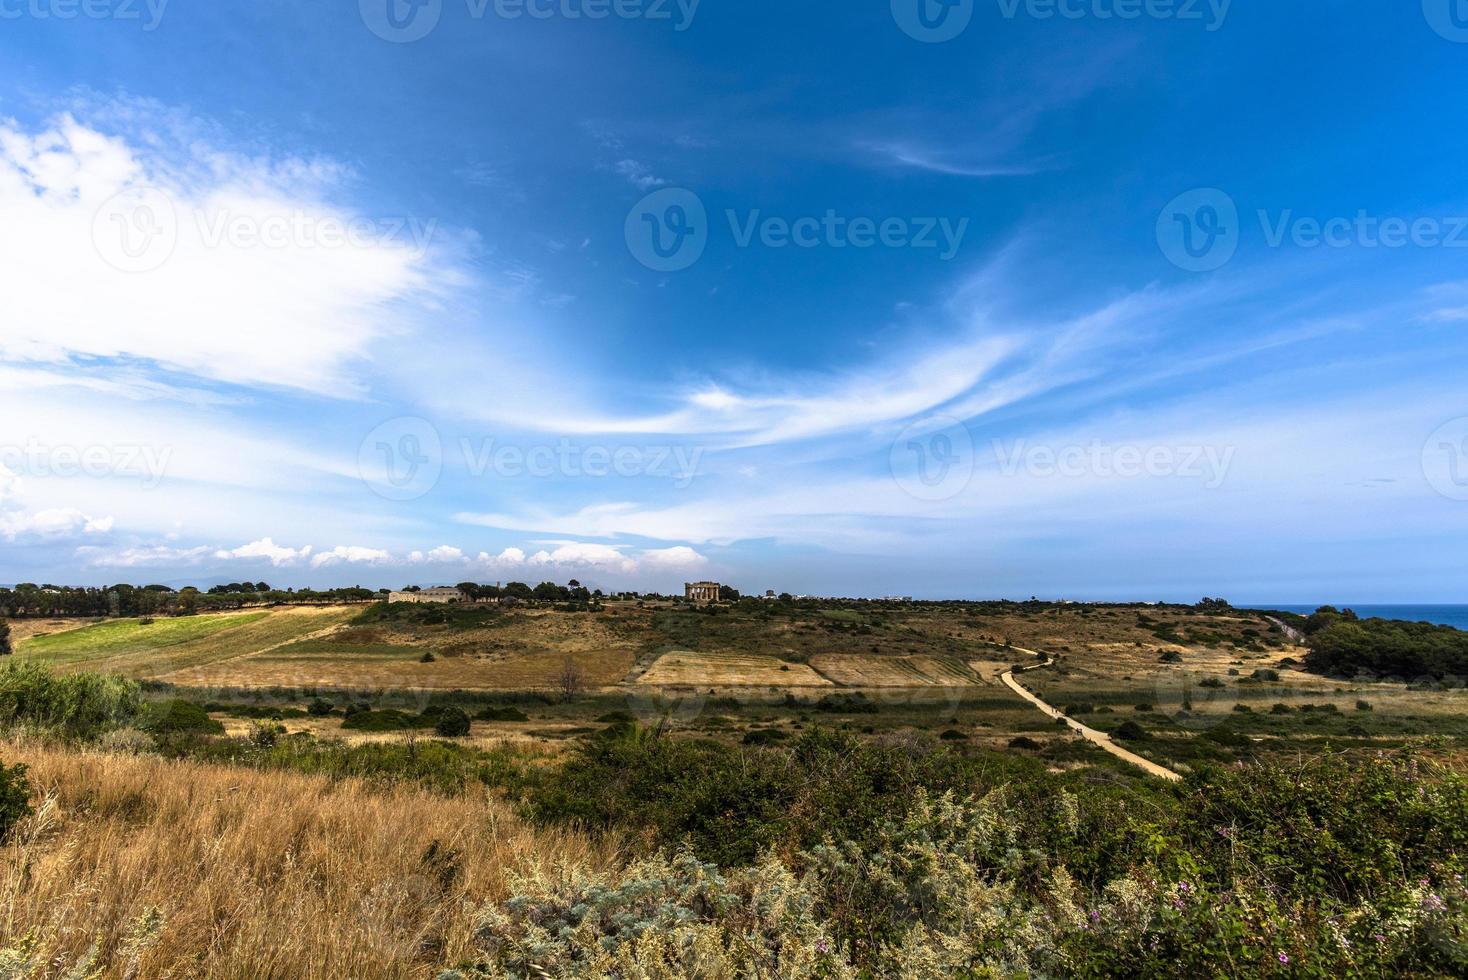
<point>1100,739</point>
<point>1295,635</point>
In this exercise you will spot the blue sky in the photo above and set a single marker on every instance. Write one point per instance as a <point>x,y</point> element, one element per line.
<point>1093,299</point>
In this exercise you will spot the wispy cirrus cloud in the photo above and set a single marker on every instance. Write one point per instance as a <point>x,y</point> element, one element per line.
<point>953,162</point>
<point>131,238</point>
<point>638,174</point>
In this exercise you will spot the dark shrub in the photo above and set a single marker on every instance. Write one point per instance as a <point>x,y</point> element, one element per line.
<point>270,712</point>
<point>15,795</point>
<point>953,735</point>
<point>1171,657</point>
<point>1130,731</point>
<point>617,717</point>
<point>1022,742</point>
<point>764,736</point>
<point>452,722</point>
<point>386,720</point>
<point>1145,708</point>
<point>427,658</point>
<point>428,614</point>
<point>319,708</point>
<point>498,713</point>
<point>1363,705</point>
<point>1265,674</point>
<point>847,704</point>
<point>1210,682</point>
<point>1227,737</point>
<point>178,717</point>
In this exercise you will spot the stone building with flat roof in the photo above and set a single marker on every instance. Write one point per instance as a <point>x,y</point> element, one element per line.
<point>443,594</point>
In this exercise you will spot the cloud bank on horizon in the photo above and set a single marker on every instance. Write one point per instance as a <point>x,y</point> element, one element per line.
<point>988,322</point>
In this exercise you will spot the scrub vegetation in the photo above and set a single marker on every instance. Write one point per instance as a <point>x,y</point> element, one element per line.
<point>715,826</point>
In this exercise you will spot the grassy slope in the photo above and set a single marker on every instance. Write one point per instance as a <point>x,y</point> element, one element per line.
<point>124,637</point>
<point>256,874</point>
<point>172,649</point>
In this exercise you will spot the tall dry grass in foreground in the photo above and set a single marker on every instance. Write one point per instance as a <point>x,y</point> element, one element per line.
<point>155,868</point>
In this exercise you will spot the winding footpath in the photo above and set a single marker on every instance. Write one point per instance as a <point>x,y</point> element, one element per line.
<point>1295,635</point>
<point>1100,739</point>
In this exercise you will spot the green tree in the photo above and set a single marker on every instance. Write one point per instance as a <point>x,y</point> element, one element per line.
<point>551,592</point>
<point>452,723</point>
<point>4,639</point>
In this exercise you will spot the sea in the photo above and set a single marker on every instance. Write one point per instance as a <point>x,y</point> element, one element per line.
<point>1443,615</point>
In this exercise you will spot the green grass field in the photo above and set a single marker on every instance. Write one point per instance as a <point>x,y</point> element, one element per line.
<point>125,637</point>
<point>166,647</point>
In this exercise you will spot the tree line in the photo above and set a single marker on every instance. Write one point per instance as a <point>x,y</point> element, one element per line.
<point>1341,644</point>
<point>31,600</point>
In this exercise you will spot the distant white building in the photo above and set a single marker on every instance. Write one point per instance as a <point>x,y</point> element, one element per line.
<point>444,594</point>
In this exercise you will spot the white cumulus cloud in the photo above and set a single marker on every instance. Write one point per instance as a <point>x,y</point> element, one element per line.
<point>351,555</point>
<point>277,555</point>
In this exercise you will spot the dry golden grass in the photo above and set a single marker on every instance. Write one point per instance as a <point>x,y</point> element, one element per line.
<point>1112,639</point>
<point>870,670</point>
<point>728,670</point>
<point>174,869</point>
<point>527,654</point>
<point>523,673</point>
<point>24,629</point>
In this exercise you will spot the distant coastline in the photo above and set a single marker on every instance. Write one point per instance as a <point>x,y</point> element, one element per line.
<point>1441,614</point>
